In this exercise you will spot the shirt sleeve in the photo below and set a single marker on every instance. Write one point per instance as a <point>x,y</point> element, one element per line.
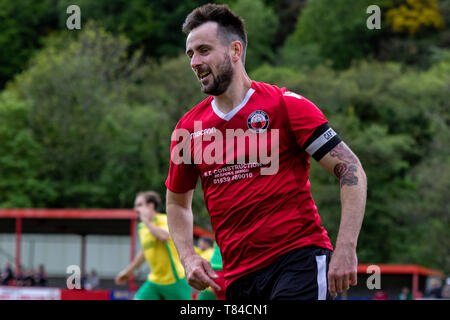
<point>183,175</point>
<point>311,129</point>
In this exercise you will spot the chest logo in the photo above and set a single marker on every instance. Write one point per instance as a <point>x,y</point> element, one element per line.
<point>258,121</point>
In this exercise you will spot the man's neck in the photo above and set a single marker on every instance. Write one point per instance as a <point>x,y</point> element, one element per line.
<point>235,93</point>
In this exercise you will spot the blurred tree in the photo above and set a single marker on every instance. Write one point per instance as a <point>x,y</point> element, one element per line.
<point>412,15</point>
<point>428,209</point>
<point>287,12</point>
<point>300,56</point>
<point>71,91</point>
<point>337,29</point>
<point>154,26</point>
<point>417,31</point>
<point>171,86</point>
<point>23,24</point>
<point>20,158</point>
<point>136,157</point>
<point>444,8</point>
<point>261,24</point>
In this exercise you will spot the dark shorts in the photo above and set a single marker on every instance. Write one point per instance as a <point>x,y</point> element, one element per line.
<point>300,274</point>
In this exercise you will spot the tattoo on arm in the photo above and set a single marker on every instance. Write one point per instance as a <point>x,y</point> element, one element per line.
<point>345,173</point>
<point>346,169</point>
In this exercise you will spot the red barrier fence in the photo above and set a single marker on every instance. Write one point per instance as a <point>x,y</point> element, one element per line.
<point>34,293</point>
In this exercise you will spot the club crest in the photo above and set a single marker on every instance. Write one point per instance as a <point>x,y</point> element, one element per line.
<point>258,121</point>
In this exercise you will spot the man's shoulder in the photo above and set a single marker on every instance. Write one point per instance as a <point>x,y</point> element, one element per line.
<point>291,99</point>
<point>161,219</point>
<point>187,120</point>
<point>267,88</point>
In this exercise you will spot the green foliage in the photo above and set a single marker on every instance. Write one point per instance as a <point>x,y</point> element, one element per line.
<point>261,24</point>
<point>154,26</point>
<point>430,210</point>
<point>72,91</point>
<point>20,158</point>
<point>171,86</point>
<point>337,29</point>
<point>412,15</point>
<point>136,156</point>
<point>287,12</point>
<point>20,22</point>
<point>300,56</point>
<point>416,30</point>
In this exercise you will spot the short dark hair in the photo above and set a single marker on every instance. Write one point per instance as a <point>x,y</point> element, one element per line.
<point>151,197</point>
<point>231,26</point>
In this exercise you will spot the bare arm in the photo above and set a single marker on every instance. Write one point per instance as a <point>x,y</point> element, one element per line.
<point>344,164</point>
<point>123,276</point>
<point>160,233</point>
<point>181,221</point>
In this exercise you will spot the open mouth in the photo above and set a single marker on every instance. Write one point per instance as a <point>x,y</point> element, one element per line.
<point>203,75</point>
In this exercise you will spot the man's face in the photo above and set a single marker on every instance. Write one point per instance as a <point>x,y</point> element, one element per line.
<point>142,208</point>
<point>139,204</point>
<point>203,244</point>
<point>210,59</point>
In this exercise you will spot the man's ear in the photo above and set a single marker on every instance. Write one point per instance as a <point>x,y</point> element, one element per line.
<point>236,51</point>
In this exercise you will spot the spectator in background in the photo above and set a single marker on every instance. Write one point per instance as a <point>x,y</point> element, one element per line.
<point>7,275</point>
<point>20,277</point>
<point>92,281</point>
<point>29,278</point>
<point>405,294</point>
<point>41,277</point>
<point>445,293</point>
<point>435,291</point>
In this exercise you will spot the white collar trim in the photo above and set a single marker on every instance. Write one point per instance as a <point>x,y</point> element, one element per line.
<point>229,115</point>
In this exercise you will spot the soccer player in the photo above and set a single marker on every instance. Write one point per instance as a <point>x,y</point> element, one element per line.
<point>166,279</point>
<point>266,223</point>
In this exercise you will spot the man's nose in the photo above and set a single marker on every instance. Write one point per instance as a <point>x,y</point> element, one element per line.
<point>195,62</point>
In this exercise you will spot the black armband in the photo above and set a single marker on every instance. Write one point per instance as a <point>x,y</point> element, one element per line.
<point>322,141</point>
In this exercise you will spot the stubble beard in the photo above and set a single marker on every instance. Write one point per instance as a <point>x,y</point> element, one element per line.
<point>222,81</point>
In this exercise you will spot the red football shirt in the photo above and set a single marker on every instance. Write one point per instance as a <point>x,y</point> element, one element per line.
<point>256,215</point>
